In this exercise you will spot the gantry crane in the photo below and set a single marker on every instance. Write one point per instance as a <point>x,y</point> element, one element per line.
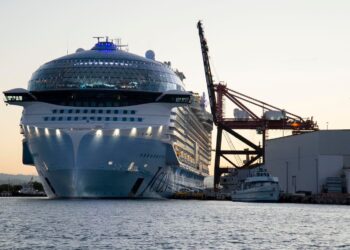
<point>251,121</point>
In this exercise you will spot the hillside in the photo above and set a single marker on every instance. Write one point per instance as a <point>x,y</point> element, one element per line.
<point>16,179</point>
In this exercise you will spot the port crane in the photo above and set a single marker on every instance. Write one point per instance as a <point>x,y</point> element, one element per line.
<point>255,153</point>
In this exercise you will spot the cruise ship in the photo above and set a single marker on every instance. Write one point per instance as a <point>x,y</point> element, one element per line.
<point>106,123</point>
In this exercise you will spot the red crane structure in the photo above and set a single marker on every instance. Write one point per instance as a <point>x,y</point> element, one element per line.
<point>249,121</point>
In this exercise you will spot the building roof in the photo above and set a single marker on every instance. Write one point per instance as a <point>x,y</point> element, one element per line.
<point>311,133</point>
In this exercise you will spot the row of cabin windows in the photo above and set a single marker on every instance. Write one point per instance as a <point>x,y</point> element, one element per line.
<point>92,61</point>
<point>93,118</point>
<point>92,111</point>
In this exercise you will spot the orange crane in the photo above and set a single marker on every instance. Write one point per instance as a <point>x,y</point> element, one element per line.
<point>250,120</point>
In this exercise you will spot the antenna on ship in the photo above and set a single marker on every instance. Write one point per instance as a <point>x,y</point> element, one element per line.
<point>118,43</point>
<point>98,38</point>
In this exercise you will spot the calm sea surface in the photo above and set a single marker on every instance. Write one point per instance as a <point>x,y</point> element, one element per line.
<point>33,223</point>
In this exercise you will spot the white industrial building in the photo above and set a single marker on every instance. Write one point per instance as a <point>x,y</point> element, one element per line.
<point>306,162</point>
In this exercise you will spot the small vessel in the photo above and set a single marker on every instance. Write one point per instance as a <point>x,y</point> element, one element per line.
<point>259,187</point>
<point>28,189</point>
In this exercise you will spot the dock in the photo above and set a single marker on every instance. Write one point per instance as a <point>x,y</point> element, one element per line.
<point>325,198</point>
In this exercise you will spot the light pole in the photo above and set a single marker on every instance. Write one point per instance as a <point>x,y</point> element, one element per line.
<point>287,176</point>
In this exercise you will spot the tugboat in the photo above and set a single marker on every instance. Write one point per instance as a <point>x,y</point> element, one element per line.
<point>261,187</point>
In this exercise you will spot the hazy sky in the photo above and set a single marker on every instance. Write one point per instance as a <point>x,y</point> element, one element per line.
<point>293,54</point>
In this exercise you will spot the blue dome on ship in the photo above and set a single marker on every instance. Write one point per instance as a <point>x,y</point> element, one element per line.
<point>105,66</point>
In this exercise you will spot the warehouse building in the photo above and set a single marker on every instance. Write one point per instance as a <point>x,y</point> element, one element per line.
<point>313,162</point>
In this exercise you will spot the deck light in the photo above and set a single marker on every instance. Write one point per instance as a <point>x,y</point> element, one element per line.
<point>295,124</point>
<point>116,132</point>
<point>133,132</point>
<point>58,133</point>
<point>99,132</point>
<point>160,129</point>
<point>149,130</point>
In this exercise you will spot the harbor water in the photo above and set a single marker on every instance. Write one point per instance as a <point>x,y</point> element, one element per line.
<point>40,223</point>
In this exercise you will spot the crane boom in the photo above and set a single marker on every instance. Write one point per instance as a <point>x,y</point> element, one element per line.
<point>208,74</point>
<point>255,153</point>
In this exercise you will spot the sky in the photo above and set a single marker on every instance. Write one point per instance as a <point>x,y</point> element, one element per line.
<point>293,54</point>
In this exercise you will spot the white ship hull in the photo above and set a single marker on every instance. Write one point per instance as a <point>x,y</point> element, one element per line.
<point>114,160</point>
<point>258,194</point>
<point>109,166</point>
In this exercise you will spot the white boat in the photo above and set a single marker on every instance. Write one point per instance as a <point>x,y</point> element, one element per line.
<point>259,187</point>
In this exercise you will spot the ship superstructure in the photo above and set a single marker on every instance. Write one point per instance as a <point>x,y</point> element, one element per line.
<point>107,123</point>
<point>260,187</point>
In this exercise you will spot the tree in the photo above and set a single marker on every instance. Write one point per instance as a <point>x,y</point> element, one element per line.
<point>38,186</point>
